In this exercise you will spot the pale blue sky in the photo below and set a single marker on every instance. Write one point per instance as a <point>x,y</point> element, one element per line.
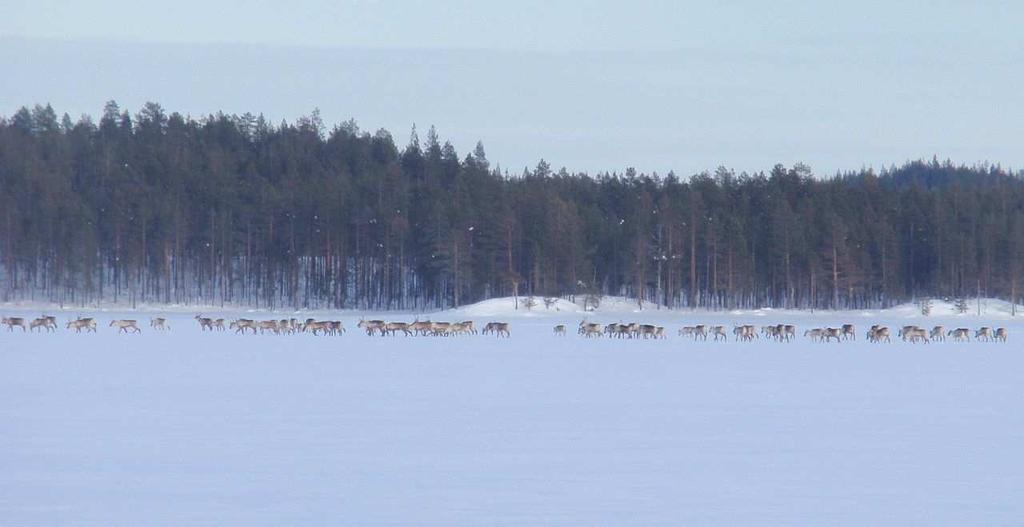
<point>589,85</point>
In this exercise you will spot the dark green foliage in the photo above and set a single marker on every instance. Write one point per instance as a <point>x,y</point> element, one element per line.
<point>158,207</point>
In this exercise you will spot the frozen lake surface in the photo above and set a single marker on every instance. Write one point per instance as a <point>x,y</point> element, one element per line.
<point>187,428</point>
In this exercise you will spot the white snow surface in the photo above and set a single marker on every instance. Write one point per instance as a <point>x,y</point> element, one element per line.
<point>192,428</point>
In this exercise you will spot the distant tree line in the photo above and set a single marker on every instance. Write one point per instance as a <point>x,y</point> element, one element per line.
<point>158,207</point>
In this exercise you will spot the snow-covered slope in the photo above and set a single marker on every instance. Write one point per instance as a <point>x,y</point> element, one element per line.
<point>616,307</point>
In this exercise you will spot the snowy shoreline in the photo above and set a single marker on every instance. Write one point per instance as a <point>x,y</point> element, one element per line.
<point>991,308</point>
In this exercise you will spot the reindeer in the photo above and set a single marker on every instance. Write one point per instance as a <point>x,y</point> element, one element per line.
<point>393,328</point>
<point>242,324</point>
<point>648,331</point>
<point>315,327</point>
<point>497,328</point>
<point>371,326</point>
<point>327,327</point>
<point>744,333</point>
<point>560,330</point>
<point>960,334</point>
<point>591,330</point>
<point>468,327</point>
<point>458,328</point>
<point>51,322</point>
<point>814,334</point>
<point>285,326</point>
<point>617,330</point>
<point>719,332</point>
<point>268,325</point>
<point>832,333</point>
<point>420,328</point>
<point>659,332</point>
<point>984,333</point>
<point>88,324</point>
<point>1000,335</point>
<point>917,334</point>
<point>11,322</point>
<point>440,329</point>
<point>849,332</point>
<point>204,322</point>
<point>123,325</point>
<point>877,333</point>
<point>40,322</point>
<point>780,332</point>
<point>905,331</point>
<point>938,333</point>
<point>159,324</point>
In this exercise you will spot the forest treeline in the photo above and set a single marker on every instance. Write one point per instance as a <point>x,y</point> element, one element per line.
<point>158,207</point>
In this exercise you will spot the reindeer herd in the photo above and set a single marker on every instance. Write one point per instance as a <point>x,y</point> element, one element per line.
<point>631,330</point>
<point>284,326</point>
<point>336,327</point>
<point>745,333</point>
<point>289,326</point>
<point>786,333</point>
<point>939,333</point>
<point>428,328</point>
<point>417,328</point>
<point>87,324</point>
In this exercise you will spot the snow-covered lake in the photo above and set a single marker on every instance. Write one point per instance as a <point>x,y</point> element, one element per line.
<point>191,428</point>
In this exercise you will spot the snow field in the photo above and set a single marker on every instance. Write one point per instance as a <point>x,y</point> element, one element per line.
<point>187,428</point>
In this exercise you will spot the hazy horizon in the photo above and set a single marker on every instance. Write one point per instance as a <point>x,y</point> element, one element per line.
<point>655,86</point>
